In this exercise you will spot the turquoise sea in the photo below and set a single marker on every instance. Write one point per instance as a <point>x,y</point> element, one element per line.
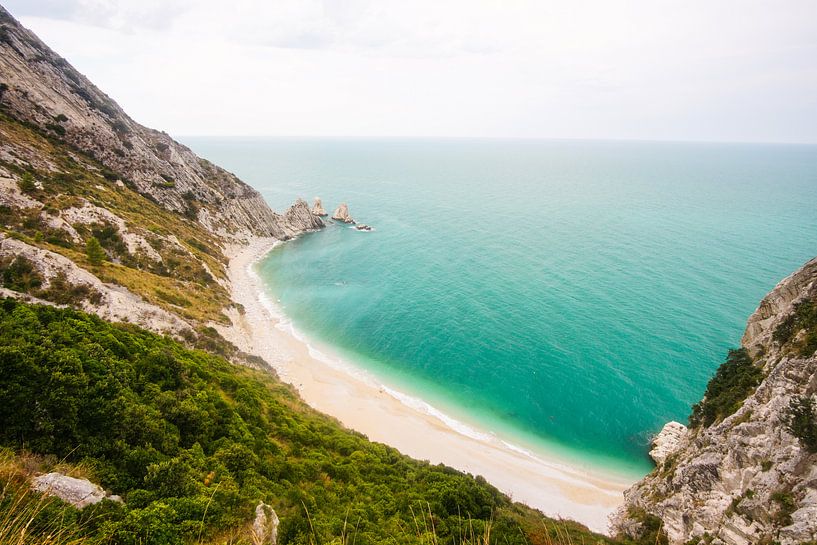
<point>574,295</point>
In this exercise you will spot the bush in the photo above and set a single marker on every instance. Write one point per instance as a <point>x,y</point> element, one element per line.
<point>20,274</point>
<point>93,249</point>
<point>733,382</point>
<point>26,183</point>
<point>801,421</point>
<point>804,317</point>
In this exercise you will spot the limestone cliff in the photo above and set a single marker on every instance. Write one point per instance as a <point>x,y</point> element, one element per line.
<point>40,88</point>
<point>750,477</point>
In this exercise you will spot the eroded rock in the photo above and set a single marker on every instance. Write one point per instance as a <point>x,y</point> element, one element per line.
<point>317,208</point>
<point>341,213</point>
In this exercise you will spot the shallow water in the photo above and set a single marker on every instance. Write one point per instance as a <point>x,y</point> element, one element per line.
<point>574,294</point>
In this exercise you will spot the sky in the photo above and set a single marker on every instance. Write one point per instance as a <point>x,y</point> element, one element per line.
<point>710,70</point>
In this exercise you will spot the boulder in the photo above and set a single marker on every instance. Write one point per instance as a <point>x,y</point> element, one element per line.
<point>78,492</point>
<point>265,525</point>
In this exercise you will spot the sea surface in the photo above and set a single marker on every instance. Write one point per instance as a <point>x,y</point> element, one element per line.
<point>569,295</point>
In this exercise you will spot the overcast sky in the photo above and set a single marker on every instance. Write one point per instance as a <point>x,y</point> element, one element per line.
<point>736,70</point>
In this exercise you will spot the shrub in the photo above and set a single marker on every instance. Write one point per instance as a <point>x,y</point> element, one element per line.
<point>20,274</point>
<point>26,183</point>
<point>801,421</point>
<point>803,317</point>
<point>94,251</point>
<point>733,382</point>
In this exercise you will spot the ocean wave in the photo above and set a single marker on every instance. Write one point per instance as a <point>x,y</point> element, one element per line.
<point>421,406</point>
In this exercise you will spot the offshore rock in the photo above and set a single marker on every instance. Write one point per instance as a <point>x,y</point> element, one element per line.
<point>341,213</point>
<point>745,479</point>
<point>78,492</point>
<point>668,441</point>
<point>265,525</point>
<point>317,208</point>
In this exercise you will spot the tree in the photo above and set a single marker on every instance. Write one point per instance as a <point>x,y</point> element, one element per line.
<point>96,255</point>
<point>26,183</point>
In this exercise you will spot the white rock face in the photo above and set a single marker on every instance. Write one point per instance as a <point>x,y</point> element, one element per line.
<point>265,525</point>
<point>727,480</point>
<point>78,492</point>
<point>341,213</point>
<point>317,207</point>
<point>117,304</point>
<point>668,441</point>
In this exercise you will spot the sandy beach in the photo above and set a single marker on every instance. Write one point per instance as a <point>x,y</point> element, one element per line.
<point>554,486</point>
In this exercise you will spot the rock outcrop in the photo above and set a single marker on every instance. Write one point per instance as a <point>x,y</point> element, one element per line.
<point>341,213</point>
<point>265,525</point>
<point>78,492</point>
<point>115,303</point>
<point>317,208</point>
<point>668,441</point>
<point>746,479</point>
<point>40,88</point>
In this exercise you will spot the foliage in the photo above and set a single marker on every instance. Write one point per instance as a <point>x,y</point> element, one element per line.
<point>652,527</point>
<point>786,505</point>
<point>19,274</point>
<point>26,183</point>
<point>733,382</point>
<point>193,443</point>
<point>801,421</point>
<point>804,317</point>
<point>94,251</point>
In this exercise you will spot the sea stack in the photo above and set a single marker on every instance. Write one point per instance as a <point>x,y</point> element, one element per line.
<point>341,213</point>
<point>317,208</point>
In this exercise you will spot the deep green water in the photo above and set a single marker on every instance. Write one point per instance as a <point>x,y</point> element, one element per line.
<point>565,293</point>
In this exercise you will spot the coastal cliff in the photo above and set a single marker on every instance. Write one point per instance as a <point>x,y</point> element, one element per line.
<point>746,471</point>
<point>76,170</point>
<point>41,89</point>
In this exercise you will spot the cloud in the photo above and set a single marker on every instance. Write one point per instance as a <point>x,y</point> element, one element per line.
<point>731,70</point>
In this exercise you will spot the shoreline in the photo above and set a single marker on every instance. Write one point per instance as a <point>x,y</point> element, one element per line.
<point>407,423</point>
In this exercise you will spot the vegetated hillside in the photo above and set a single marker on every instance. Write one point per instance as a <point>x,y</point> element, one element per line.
<point>193,443</point>
<point>92,202</point>
<point>746,472</point>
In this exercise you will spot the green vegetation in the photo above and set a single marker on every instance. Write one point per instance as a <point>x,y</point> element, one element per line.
<point>26,183</point>
<point>786,505</point>
<point>804,317</point>
<point>802,421</point>
<point>19,274</point>
<point>93,249</point>
<point>193,443</point>
<point>652,527</point>
<point>733,382</point>
<point>187,271</point>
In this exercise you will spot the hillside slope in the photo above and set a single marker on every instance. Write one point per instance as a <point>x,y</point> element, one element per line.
<point>192,444</point>
<point>746,472</point>
<point>74,167</point>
